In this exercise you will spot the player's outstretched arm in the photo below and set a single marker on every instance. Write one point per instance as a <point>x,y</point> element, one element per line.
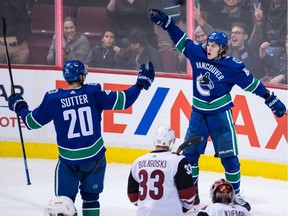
<point>277,107</point>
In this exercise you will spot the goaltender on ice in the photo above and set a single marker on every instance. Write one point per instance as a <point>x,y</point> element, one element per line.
<point>214,75</point>
<point>76,113</point>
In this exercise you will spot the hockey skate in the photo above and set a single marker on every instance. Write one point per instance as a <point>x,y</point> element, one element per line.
<point>238,199</point>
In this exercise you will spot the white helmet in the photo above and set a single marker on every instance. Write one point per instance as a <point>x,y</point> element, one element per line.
<point>221,191</point>
<point>164,136</point>
<point>60,206</point>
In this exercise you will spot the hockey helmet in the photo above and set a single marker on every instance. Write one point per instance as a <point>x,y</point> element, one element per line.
<point>222,191</point>
<point>219,38</point>
<point>61,205</point>
<point>164,136</point>
<point>72,69</point>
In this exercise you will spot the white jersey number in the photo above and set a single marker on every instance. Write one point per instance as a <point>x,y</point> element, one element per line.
<point>84,117</point>
<point>156,193</point>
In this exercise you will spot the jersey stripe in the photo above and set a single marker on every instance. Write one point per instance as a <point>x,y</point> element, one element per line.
<point>180,45</point>
<point>213,105</point>
<point>120,101</point>
<point>253,85</point>
<point>81,153</point>
<point>31,122</point>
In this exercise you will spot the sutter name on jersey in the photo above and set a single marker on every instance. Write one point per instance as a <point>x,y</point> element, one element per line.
<point>152,163</point>
<point>75,100</point>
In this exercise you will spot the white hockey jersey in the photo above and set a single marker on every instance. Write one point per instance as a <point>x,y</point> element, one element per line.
<point>220,209</point>
<point>160,183</point>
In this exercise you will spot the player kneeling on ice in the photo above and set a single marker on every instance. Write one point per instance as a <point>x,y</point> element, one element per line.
<point>214,76</point>
<point>160,182</point>
<point>61,206</point>
<point>222,195</point>
<point>76,113</point>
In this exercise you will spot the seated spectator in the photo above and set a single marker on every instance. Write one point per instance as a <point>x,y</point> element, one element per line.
<point>75,45</point>
<point>275,62</point>
<point>138,52</point>
<point>17,32</point>
<point>127,15</point>
<point>103,55</point>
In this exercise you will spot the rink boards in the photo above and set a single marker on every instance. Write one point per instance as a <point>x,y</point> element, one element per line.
<point>262,137</point>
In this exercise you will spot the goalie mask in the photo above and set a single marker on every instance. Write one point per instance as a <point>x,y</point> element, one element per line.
<point>221,192</point>
<point>72,70</point>
<point>60,206</point>
<point>164,136</point>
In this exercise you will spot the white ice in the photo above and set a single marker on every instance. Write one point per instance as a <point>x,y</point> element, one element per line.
<point>267,197</point>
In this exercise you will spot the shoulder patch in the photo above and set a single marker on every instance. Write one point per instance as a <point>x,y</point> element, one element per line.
<point>236,60</point>
<point>52,91</point>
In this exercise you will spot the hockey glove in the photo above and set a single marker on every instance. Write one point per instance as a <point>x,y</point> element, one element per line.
<point>161,19</point>
<point>16,103</point>
<point>277,107</point>
<point>146,75</point>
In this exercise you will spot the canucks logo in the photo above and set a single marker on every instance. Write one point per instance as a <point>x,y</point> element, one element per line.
<point>204,84</point>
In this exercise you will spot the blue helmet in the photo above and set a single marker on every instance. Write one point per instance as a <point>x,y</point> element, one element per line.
<point>219,38</point>
<point>72,69</point>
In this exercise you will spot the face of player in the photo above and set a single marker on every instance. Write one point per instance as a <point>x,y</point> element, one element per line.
<point>238,37</point>
<point>212,51</point>
<point>69,29</point>
<point>200,37</point>
<point>108,39</point>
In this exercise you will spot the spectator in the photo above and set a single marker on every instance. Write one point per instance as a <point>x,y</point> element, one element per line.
<point>127,15</point>
<point>275,63</point>
<point>275,28</point>
<point>139,51</point>
<point>103,54</point>
<point>231,12</point>
<point>199,35</point>
<point>17,31</point>
<point>75,45</point>
<point>222,195</point>
<point>160,182</point>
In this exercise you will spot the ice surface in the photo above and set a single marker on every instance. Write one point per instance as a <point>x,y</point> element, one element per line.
<point>267,197</point>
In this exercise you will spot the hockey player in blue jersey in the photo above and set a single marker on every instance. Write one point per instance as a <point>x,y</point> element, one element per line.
<point>76,114</point>
<point>214,75</point>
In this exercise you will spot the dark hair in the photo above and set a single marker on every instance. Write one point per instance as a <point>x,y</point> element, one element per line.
<point>108,29</point>
<point>137,36</point>
<point>70,18</point>
<point>240,25</point>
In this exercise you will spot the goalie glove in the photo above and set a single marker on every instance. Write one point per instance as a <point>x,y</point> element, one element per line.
<point>146,75</point>
<point>16,103</point>
<point>161,19</point>
<point>277,107</point>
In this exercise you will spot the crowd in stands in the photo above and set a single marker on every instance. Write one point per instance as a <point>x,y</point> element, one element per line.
<point>257,31</point>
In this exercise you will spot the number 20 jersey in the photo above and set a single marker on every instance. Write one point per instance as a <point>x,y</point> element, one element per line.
<point>76,114</point>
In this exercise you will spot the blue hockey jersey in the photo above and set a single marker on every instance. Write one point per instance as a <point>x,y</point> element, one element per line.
<point>214,79</point>
<point>76,114</point>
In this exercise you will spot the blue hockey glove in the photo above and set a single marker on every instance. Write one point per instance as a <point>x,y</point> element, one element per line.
<point>161,19</point>
<point>146,75</point>
<point>277,107</point>
<point>16,103</point>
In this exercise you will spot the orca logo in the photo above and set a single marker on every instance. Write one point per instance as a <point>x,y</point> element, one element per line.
<point>204,84</point>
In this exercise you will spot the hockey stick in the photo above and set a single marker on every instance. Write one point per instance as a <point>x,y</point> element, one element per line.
<point>189,142</point>
<point>13,93</point>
